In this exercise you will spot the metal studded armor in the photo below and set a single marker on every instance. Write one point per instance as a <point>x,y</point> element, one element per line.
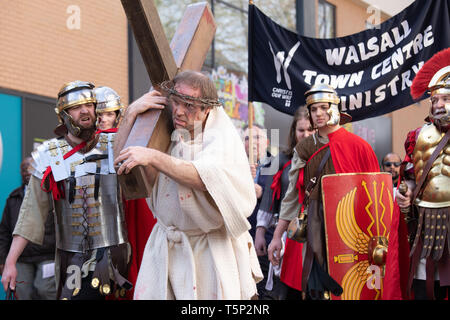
<point>433,200</point>
<point>436,192</point>
<point>90,215</point>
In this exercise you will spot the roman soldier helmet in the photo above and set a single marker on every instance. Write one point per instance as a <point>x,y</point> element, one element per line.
<point>108,100</point>
<point>434,78</point>
<point>70,95</point>
<point>325,93</point>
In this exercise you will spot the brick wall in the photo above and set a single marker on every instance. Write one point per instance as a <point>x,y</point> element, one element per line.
<point>39,52</point>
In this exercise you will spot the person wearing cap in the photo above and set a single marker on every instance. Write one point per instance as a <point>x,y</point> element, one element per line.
<point>74,179</point>
<point>348,153</point>
<point>109,108</point>
<point>200,247</point>
<point>426,173</point>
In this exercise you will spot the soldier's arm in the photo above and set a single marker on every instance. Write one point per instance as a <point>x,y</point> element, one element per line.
<point>289,205</point>
<point>33,213</point>
<point>151,100</point>
<point>288,211</point>
<point>10,272</point>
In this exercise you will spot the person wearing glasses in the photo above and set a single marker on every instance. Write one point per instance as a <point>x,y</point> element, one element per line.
<point>391,163</point>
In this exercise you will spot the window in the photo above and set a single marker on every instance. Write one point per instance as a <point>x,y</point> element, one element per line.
<point>326,20</point>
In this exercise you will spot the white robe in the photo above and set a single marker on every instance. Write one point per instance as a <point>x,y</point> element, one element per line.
<point>200,247</point>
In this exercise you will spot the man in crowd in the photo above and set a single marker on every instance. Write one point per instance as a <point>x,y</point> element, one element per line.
<point>36,264</point>
<point>259,169</point>
<point>262,158</point>
<point>391,163</point>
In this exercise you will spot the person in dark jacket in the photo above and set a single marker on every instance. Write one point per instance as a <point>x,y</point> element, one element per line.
<point>35,266</point>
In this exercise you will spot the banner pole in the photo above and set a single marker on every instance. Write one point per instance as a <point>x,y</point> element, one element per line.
<point>250,103</point>
<point>250,133</point>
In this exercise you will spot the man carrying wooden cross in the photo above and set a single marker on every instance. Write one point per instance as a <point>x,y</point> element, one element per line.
<point>200,247</point>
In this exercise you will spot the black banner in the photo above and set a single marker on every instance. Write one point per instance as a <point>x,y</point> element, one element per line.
<point>371,70</point>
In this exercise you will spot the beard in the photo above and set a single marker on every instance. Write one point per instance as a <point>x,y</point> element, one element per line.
<point>87,134</point>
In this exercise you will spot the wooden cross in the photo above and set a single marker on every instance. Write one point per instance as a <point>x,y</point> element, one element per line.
<point>187,51</point>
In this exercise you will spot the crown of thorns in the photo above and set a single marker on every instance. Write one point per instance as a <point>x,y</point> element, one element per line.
<point>167,86</point>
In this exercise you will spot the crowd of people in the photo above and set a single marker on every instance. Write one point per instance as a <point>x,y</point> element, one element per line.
<point>225,228</point>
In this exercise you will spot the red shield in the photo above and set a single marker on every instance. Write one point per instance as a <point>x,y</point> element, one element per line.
<point>358,210</point>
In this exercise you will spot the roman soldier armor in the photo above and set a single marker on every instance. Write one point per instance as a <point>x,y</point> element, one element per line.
<point>344,152</point>
<point>428,164</point>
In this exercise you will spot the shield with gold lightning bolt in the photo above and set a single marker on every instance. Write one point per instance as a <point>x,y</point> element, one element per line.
<point>358,210</point>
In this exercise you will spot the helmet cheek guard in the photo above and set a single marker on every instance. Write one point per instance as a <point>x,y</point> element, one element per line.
<point>69,123</point>
<point>335,116</point>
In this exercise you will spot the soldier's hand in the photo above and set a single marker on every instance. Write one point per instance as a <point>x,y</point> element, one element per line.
<point>9,276</point>
<point>274,251</point>
<point>260,241</point>
<point>403,201</point>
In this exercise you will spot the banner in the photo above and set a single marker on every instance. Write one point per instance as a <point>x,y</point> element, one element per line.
<point>371,70</point>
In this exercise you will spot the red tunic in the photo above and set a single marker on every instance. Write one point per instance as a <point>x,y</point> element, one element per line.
<point>140,222</point>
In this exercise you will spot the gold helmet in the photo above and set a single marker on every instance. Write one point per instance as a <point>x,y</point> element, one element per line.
<point>434,78</point>
<point>70,95</point>
<point>74,93</point>
<point>440,83</point>
<point>108,100</point>
<point>325,93</point>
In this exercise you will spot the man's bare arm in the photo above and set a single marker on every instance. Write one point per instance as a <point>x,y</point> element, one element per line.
<point>183,172</point>
<point>10,272</point>
<point>151,100</point>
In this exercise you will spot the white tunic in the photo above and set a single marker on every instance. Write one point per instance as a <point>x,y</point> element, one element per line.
<point>200,247</point>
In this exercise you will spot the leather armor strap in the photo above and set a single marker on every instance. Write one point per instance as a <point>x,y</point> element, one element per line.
<point>419,185</point>
<point>100,277</point>
<point>313,181</point>
<point>97,180</point>
<point>118,262</point>
<point>72,183</point>
<point>429,163</point>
